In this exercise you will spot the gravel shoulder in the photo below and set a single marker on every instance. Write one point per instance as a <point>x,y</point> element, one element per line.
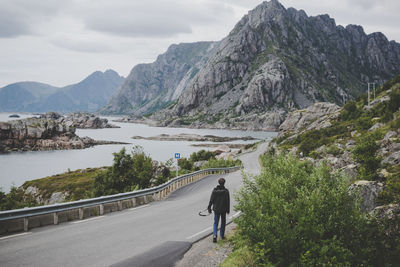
<point>205,253</point>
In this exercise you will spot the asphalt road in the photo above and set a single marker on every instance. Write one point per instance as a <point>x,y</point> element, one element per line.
<point>122,238</point>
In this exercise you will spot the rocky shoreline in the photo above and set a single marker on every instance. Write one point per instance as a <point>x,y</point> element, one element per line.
<point>267,122</point>
<point>44,133</point>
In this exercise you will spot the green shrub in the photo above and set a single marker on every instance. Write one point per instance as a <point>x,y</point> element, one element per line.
<point>350,111</point>
<point>365,154</point>
<point>185,164</point>
<point>394,102</point>
<point>201,155</point>
<point>364,123</point>
<point>128,172</point>
<point>295,214</point>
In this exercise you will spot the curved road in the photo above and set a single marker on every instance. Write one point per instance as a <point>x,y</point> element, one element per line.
<point>116,238</point>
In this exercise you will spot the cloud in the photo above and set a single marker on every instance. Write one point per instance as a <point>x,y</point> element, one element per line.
<point>86,45</point>
<point>153,18</point>
<point>21,17</point>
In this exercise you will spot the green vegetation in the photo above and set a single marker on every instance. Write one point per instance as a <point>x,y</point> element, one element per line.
<point>187,165</point>
<point>129,172</point>
<point>296,214</point>
<point>77,184</point>
<point>310,140</point>
<point>16,199</point>
<point>365,153</point>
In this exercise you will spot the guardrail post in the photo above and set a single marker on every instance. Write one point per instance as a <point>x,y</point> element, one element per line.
<point>119,205</point>
<point>26,224</point>
<point>134,202</point>
<point>55,216</point>
<point>101,209</point>
<point>146,200</point>
<point>80,213</point>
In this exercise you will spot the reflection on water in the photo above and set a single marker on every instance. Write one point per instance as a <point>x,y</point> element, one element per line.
<point>17,167</point>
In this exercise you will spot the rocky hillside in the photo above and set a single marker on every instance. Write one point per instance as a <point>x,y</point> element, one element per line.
<point>88,95</point>
<point>151,87</point>
<point>361,139</point>
<point>276,59</point>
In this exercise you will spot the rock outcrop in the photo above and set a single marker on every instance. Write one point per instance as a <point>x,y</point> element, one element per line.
<point>316,116</point>
<point>79,120</point>
<point>367,192</point>
<point>87,121</point>
<point>41,134</point>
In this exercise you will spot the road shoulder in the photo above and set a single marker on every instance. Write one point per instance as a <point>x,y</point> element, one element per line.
<point>205,253</point>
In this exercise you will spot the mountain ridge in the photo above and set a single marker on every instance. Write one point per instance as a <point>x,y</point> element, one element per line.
<point>87,95</point>
<point>152,86</point>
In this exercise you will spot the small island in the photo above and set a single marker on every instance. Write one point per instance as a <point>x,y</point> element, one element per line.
<point>44,133</point>
<point>194,137</point>
<point>14,116</point>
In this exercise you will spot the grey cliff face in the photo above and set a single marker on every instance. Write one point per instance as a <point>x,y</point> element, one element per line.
<point>150,87</point>
<point>279,59</point>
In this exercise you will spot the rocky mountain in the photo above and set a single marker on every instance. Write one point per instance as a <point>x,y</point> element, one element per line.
<point>88,95</point>
<point>151,87</point>
<point>276,59</point>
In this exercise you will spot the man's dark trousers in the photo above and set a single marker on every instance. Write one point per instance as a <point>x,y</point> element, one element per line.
<point>216,221</point>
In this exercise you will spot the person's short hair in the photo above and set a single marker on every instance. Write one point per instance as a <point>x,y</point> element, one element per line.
<point>221,181</point>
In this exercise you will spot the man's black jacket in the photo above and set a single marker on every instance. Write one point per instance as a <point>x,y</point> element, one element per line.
<point>219,200</point>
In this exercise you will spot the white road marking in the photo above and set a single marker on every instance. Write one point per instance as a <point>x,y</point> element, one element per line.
<point>235,215</point>
<point>199,233</point>
<point>140,207</point>
<point>11,236</point>
<point>88,220</point>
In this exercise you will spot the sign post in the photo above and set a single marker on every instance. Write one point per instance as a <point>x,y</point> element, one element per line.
<point>177,156</point>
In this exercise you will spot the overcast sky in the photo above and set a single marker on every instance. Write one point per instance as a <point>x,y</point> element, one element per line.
<point>62,42</point>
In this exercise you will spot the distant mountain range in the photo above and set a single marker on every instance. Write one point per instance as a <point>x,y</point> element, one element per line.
<point>87,95</point>
<point>274,60</point>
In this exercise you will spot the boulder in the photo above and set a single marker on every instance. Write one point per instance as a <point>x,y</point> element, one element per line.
<point>225,155</point>
<point>387,211</point>
<point>199,164</point>
<point>367,192</point>
<point>222,149</point>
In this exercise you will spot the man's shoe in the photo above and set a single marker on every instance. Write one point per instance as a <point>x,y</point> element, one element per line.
<point>214,239</point>
<point>222,237</point>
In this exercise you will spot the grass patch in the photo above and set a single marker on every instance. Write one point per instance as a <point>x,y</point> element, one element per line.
<point>78,184</point>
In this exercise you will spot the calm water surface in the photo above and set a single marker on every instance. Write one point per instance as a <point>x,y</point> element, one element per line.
<point>18,167</point>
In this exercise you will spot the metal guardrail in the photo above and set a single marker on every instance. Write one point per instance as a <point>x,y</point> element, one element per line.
<point>86,203</point>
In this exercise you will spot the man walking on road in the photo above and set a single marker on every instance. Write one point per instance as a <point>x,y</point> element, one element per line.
<point>220,203</point>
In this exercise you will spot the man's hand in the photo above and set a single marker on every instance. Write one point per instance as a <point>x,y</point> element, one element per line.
<point>209,210</point>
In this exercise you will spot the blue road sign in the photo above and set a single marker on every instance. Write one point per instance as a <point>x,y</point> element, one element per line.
<point>177,155</point>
